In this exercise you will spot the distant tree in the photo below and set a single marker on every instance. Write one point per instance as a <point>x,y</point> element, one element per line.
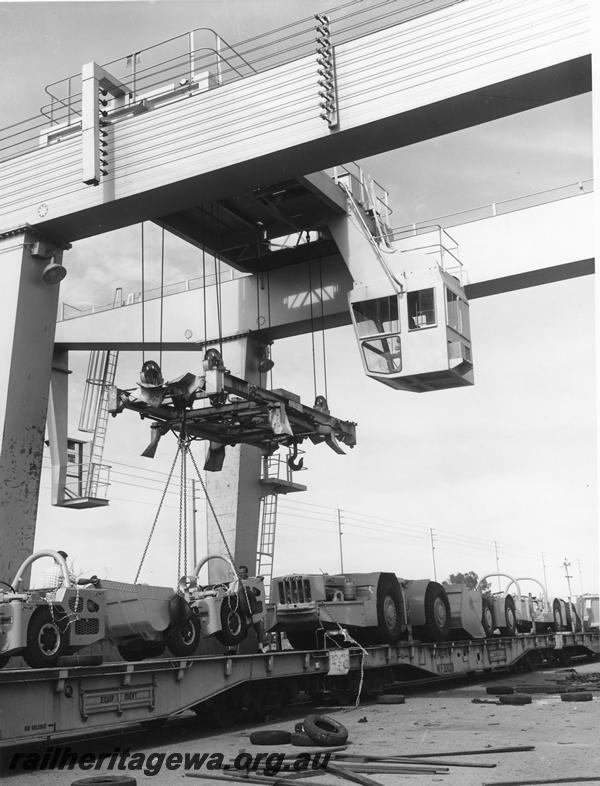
<point>469,579</point>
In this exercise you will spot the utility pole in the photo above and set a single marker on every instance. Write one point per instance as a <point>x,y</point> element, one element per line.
<point>497,563</point>
<point>545,576</point>
<point>433,553</point>
<point>566,566</point>
<point>339,523</point>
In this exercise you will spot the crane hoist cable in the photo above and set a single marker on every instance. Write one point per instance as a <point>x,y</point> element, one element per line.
<point>312,324</point>
<point>202,224</point>
<point>323,329</point>
<point>142,295</point>
<point>162,293</point>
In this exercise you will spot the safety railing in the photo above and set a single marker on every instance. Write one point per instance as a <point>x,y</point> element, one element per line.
<point>365,190</point>
<point>174,65</point>
<point>276,466</point>
<point>432,241</point>
<point>87,480</point>
<point>69,311</point>
<point>578,188</point>
<point>523,202</point>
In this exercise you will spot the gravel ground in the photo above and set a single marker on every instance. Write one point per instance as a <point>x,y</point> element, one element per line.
<point>565,735</point>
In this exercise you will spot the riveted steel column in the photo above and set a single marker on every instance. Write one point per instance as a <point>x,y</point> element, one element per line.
<point>235,491</point>
<point>27,325</point>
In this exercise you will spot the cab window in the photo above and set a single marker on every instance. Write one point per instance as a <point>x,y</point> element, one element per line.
<point>379,315</point>
<point>382,355</point>
<point>421,308</point>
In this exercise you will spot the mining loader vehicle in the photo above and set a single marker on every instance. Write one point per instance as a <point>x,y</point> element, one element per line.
<point>512,611</point>
<point>225,610</point>
<point>372,608</point>
<point>41,624</point>
<point>45,624</point>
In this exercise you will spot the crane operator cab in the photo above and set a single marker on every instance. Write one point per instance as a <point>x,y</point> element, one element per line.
<point>412,325</point>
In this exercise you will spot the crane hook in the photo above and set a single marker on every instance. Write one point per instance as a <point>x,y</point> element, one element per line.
<point>292,463</point>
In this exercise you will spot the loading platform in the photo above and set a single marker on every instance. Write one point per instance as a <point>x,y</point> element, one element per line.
<point>43,705</point>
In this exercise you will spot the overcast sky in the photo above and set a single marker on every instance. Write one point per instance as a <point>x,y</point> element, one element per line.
<point>511,460</point>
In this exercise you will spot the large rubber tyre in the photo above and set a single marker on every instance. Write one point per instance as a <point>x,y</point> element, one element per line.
<point>437,614</point>
<point>140,650</point>
<point>577,696</point>
<point>391,698</point>
<point>487,617</point>
<point>516,700</point>
<point>301,739</point>
<point>389,609</point>
<point>46,640</point>
<point>324,730</point>
<point>510,617</point>
<point>183,640</point>
<point>270,737</point>
<point>106,780</point>
<point>233,625</point>
<point>302,639</point>
<point>559,623</point>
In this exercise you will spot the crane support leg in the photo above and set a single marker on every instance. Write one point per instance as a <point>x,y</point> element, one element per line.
<point>235,491</point>
<point>27,326</point>
<point>58,422</point>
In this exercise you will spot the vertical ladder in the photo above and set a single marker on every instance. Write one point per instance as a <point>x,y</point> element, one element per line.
<point>276,479</point>
<point>106,362</point>
<point>266,547</point>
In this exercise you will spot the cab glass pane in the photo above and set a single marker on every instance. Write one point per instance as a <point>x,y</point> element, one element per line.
<point>382,355</point>
<point>421,308</point>
<point>379,315</point>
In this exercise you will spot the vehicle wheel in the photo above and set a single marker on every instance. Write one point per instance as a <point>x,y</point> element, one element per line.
<point>184,639</point>
<point>487,617</point>
<point>270,737</point>
<point>325,730</point>
<point>302,639</point>
<point>4,660</point>
<point>46,642</point>
<point>233,626</point>
<point>389,609</point>
<point>557,614</point>
<point>437,614</point>
<point>510,617</point>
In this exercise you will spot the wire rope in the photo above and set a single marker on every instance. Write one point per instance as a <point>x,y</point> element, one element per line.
<point>160,504</point>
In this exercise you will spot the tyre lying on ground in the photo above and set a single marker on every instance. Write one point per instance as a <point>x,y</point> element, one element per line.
<point>270,737</point>
<point>324,730</point>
